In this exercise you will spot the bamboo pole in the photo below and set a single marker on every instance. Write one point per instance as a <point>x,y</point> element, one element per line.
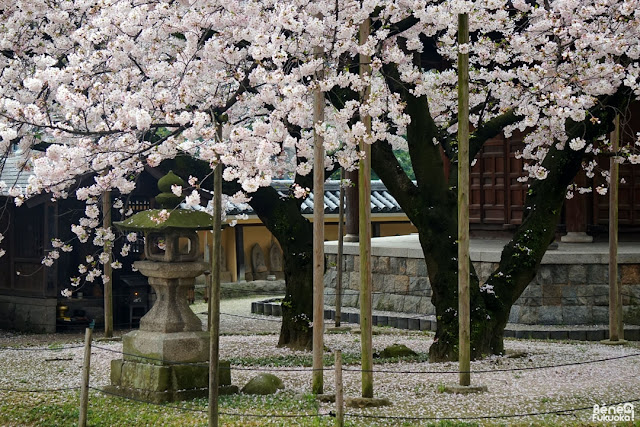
<point>340,253</point>
<point>84,390</point>
<point>108,286</point>
<point>339,390</point>
<point>318,234</point>
<point>463,203</point>
<point>214,295</point>
<point>615,309</point>
<point>364,181</point>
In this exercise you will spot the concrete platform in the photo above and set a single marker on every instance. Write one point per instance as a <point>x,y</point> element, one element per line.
<point>428,323</point>
<point>489,250</point>
<point>571,285</point>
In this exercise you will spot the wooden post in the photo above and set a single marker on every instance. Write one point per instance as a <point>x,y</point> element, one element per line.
<point>464,323</point>
<point>353,209</point>
<point>214,296</point>
<point>340,254</point>
<point>339,390</point>
<point>364,178</point>
<point>84,390</point>
<point>108,286</point>
<point>208,282</point>
<point>615,308</point>
<point>318,233</point>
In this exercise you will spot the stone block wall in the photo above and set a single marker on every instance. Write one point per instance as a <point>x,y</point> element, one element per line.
<point>560,294</point>
<point>564,294</point>
<point>399,284</point>
<point>28,314</point>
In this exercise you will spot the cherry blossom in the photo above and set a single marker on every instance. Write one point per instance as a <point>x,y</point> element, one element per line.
<point>109,87</point>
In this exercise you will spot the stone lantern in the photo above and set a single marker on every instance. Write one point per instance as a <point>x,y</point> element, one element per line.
<point>165,360</point>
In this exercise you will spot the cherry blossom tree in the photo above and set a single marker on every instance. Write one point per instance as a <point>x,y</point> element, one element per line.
<point>113,85</point>
<point>556,71</point>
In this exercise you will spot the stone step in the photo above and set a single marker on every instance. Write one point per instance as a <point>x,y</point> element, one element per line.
<point>418,322</point>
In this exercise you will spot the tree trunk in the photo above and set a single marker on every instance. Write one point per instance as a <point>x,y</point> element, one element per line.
<point>295,234</point>
<point>297,307</point>
<point>282,217</point>
<point>431,207</point>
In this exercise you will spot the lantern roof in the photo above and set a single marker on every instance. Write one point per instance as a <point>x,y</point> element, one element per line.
<point>178,219</point>
<point>170,217</point>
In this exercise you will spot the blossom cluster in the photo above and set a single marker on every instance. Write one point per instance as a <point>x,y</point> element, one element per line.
<point>110,87</point>
<point>133,69</point>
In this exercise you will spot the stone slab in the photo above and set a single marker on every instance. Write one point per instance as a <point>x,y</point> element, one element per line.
<point>512,330</point>
<point>464,389</point>
<point>159,348</point>
<point>425,324</point>
<point>489,250</point>
<point>413,324</point>
<point>326,398</point>
<point>28,314</point>
<point>366,402</point>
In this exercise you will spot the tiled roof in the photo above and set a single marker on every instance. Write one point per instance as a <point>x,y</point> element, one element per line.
<point>13,173</point>
<point>381,200</point>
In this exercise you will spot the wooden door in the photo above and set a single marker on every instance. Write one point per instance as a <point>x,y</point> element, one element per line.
<point>496,195</point>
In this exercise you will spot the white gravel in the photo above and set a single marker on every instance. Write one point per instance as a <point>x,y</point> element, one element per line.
<point>412,394</point>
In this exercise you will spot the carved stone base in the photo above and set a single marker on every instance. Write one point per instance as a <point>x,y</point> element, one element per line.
<point>158,347</point>
<point>165,383</point>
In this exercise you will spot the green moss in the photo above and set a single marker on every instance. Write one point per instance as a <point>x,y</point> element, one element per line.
<point>178,219</point>
<point>263,383</point>
<point>165,183</point>
<point>397,350</point>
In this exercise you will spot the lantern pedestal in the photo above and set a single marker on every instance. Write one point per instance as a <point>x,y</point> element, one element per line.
<point>166,360</point>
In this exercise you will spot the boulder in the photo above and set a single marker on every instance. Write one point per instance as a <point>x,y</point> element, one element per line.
<point>263,384</point>
<point>397,350</point>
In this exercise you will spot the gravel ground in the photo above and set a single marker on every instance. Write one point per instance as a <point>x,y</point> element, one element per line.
<point>234,313</point>
<point>513,388</point>
<point>235,318</point>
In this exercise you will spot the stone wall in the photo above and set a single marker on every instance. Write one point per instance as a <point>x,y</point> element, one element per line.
<point>399,284</point>
<point>559,294</point>
<point>28,314</point>
<point>576,294</point>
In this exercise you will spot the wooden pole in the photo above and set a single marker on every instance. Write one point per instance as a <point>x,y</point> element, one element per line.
<point>364,178</point>
<point>108,286</point>
<point>464,323</point>
<point>208,281</point>
<point>214,295</point>
<point>340,253</point>
<point>339,390</point>
<point>84,390</point>
<point>353,209</point>
<point>318,234</point>
<point>615,332</point>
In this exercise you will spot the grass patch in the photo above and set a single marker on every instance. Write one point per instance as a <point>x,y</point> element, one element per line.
<point>306,360</point>
<point>62,409</point>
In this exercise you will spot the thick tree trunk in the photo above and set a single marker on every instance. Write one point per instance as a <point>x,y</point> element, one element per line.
<point>431,207</point>
<point>434,212</point>
<point>295,234</point>
<point>438,241</point>
<point>297,307</point>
